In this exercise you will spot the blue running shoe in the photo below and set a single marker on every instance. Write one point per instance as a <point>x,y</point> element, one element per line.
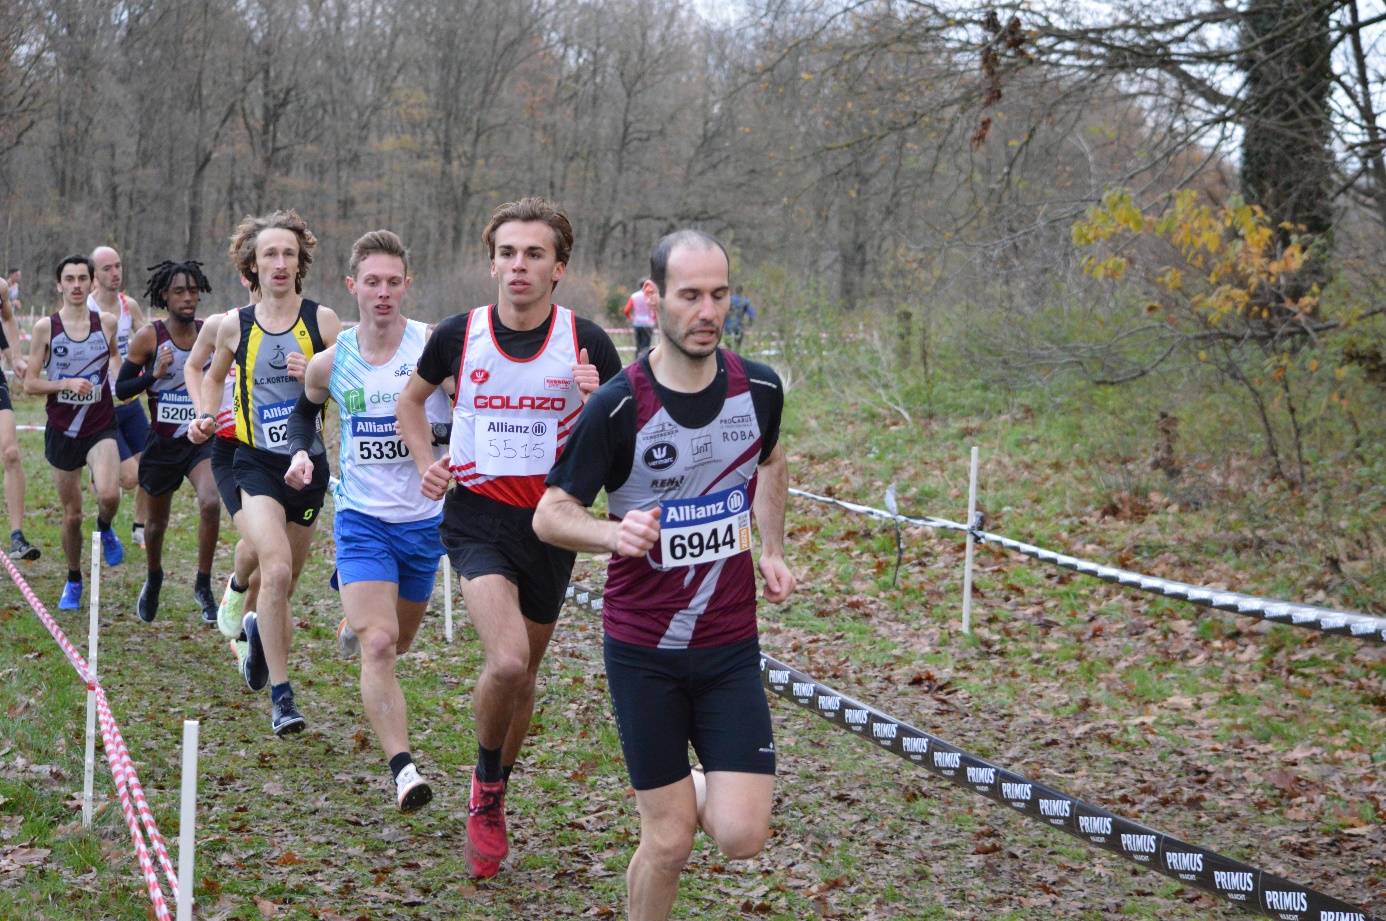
<point>111,550</point>
<point>72,596</point>
<point>254,669</point>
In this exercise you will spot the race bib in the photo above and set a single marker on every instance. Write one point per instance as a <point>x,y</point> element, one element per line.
<point>515,447</point>
<point>93,396</point>
<point>705,528</point>
<point>174,408</point>
<point>376,440</point>
<point>274,420</point>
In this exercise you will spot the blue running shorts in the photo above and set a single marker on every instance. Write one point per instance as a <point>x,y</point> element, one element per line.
<point>371,550</point>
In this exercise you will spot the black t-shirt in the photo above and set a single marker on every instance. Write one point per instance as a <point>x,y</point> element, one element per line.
<point>601,446</point>
<point>442,356</point>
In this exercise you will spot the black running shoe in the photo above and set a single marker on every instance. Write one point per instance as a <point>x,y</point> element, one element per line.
<point>202,594</point>
<point>21,549</point>
<point>285,718</point>
<point>148,604</point>
<point>256,669</point>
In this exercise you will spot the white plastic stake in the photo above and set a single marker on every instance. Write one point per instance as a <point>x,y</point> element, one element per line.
<point>89,768</point>
<point>447,598</point>
<point>967,565</point>
<point>187,822</point>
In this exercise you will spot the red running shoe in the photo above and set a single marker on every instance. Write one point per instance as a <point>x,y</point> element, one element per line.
<point>486,838</point>
<point>477,866</point>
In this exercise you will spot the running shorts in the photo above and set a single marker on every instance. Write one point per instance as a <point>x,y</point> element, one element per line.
<point>223,457</point>
<point>261,473</point>
<point>70,454</point>
<point>711,697</point>
<point>165,462</point>
<point>371,550</point>
<point>5,393</point>
<point>484,537</point>
<point>132,429</point>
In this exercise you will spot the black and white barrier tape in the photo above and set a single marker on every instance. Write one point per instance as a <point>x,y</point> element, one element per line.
<point>1244,886</point>
<point>1343,623</point>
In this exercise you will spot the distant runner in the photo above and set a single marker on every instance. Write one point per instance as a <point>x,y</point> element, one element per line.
<point>686,445</point>
<point>20,548</point>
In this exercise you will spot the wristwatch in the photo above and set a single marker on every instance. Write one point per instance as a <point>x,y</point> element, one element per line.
<point>211,416</point>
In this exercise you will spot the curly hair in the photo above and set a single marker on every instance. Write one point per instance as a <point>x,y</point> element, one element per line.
<point>248,231</point>
<point>161,279</point>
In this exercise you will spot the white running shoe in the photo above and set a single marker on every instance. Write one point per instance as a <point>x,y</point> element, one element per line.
<point>348,643</point>
<point>412,791</point>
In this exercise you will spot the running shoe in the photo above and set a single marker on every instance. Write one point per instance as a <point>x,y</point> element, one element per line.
<point>242,649</point>
<point>21,549</point>
<point>202,594</point>
<point>138,533</point>
<point>413,791</point>
<point>478,867</point>
<point>254,669</point>
<point>348,643</point>
<point>111,550</point>
<point>72,596</point>
<point>486,836</point>
<point>285,718</point>
<point>229,613</point>
<point>148,604</point>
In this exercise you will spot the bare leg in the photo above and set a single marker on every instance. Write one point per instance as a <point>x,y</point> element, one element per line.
<point>69,486</point>
<point>385,625</point>
<point>14,470</point>
<point>263,525</point>
<point>209,514</point>
<point>104,460</point>
<point>668,820</point>
<point>154,527</point>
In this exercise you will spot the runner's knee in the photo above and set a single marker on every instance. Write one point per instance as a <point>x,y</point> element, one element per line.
<point>510,669</point>
<point>10,455</point>
<point>742,841</point>
<point>668,844</point>
<point>209,506</point>
<point>377,645</point>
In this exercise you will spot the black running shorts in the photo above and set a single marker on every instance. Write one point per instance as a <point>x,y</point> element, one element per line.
<point>165,462</point>
<point>5,393</point>
<point>70,453</point>
<point>261,473</point>
<point>711,697</point>
<point>223,459</point>
<point>484,537</point>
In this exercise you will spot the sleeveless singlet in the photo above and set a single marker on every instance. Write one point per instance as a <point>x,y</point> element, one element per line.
<point>705,480</point>
<point>265,392</point>
<point>124,321</point>
<point>74,416</point>
<point>378,476</point>
<point>511,417</point>
<point>170,405</point>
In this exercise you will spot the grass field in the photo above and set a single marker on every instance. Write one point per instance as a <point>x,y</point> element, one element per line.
<point>1266,743</point>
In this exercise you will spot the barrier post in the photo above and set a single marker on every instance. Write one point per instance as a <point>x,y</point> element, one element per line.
<point>447,598</point>
<point>89,766</point>
<point>187,840</point>
<point>967,563</point>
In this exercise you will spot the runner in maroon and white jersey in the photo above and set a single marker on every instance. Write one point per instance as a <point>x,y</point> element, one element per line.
<point>74,348</point>
<point>686,444</point>
<point>524,366</point>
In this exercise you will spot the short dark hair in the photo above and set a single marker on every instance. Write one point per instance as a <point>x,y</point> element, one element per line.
<point>162,279</point>
<point>11,271</point>
<point>659,256</point>
<point>77,258</point>
<point>532,209</point>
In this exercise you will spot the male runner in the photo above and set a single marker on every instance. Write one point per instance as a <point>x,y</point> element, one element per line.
<point>132,425</point>
<point>20,549</point>
<point>642,317</point>
<point>387,538</point>
<point>523,371</point>
<point>686,444</point>
<point>13,299</point>
<point>155,363</point>
<point>74,346</point>
<point>274,252</point>
<point>245,573</point>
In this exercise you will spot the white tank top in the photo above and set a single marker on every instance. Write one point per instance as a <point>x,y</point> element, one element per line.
<point>378,475</point>
<point>124,321</point>
<point>511,418</point>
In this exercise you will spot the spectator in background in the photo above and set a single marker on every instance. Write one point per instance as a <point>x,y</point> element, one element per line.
<point>642,317</point>
<point>14,290</point>
<point>740,316</point>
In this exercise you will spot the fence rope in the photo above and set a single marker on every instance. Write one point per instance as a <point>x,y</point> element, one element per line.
<point>1240,884</point>
<point>1326,620</point>
<point>122,766</point>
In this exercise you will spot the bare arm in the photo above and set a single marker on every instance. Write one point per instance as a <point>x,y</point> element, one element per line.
<point>562,520</point>
<point>137,317</point>
<point>228,340</point>
<point>202,350</point>
<point>772,492</point>
<point>329,325</point>
<point>11,327</point>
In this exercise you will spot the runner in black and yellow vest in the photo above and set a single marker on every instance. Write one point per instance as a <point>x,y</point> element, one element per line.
<point>270,346</point>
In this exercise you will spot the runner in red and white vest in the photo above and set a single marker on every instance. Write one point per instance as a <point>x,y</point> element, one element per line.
<point>74,348</point>
<point>523,366</point>
<point>132,425</point>
<point>686,445</point>
<point>155,364</point>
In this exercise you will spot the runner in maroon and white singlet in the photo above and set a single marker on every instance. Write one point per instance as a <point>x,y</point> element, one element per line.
<point>74,347</point>
<point>686,444</point>
<point>524,366</point>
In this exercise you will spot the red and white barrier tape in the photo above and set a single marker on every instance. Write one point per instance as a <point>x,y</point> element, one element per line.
<point>122,767</point>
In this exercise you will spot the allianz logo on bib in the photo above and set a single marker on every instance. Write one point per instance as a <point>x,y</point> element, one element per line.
<point>373,426</point>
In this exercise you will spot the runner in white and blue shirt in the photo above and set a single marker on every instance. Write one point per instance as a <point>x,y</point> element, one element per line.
<point>387,534</point>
